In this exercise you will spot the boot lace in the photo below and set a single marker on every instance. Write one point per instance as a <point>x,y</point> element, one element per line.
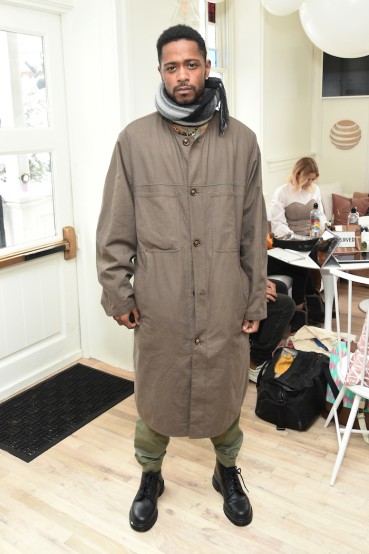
<point>233,482</point>
<point>149,486</point>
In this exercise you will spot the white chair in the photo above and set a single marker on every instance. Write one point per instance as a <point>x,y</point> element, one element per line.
<point>286,279</point>
<point>360,391</point>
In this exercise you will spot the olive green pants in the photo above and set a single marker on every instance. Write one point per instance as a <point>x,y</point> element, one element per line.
<point>150,446</point>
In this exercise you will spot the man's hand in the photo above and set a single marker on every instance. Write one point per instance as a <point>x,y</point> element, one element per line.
<point>125,319</point>
<point>249,327</point>
<point>271,291</point>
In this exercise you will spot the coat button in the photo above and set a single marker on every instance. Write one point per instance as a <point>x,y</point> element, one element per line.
<point>198,341</point>
<point>186,142</point>
<point>193,192</point>
<point>196,242</point>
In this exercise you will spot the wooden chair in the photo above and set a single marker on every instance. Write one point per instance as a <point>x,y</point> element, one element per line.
<point>361,391</point>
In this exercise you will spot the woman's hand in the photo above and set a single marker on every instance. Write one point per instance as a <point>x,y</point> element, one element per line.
<point>271,292</point>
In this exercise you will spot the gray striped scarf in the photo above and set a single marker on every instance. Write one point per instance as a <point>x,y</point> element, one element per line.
<point>214,97</point>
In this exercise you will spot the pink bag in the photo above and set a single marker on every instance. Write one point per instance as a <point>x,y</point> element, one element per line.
<point>349,396</point>
<point>353,376</point>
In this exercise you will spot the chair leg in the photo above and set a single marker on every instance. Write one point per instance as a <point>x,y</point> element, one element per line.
<point>335,405</point>
<point>345,439</point>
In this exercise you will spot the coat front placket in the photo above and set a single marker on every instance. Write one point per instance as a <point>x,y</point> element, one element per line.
<point>193,200</point>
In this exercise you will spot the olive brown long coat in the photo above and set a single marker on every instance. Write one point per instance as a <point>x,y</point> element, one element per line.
<point>186,217</point>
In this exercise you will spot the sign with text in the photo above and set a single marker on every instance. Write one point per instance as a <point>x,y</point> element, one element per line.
<point>347,238</point>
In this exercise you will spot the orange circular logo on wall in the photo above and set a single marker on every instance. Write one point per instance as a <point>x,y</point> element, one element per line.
<point>345,134</point>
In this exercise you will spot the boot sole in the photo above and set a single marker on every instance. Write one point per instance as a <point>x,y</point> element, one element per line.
<point>141,528</point>
<point>230,515</point>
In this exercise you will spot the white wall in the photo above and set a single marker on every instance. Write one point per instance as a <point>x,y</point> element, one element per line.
<point>145,20</point>
<point>350,167</point>
<point>111,79</point>
<point>111,72</point>
<point>247,49</point>
<point>111,76</point>
<point>287,97</point>
<point>274,86</point>
<point>297,120</point>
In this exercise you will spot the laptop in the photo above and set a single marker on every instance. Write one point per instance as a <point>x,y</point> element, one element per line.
<point>353,257</point>
<point>287,255</point>
<point>322,251</point>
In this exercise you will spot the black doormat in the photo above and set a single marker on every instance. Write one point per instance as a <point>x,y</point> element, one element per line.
<point>35,420</point>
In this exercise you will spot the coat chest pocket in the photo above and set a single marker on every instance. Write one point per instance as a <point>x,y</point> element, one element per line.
<point>157,221</point>
<point>223,211</point>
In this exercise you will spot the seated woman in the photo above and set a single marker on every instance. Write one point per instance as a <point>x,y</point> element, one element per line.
<point>290,213</point>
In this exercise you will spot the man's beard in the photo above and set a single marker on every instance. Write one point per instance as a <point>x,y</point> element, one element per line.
<point>184,101</point>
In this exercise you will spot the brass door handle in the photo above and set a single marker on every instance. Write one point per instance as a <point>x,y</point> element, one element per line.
<point>70,240</point>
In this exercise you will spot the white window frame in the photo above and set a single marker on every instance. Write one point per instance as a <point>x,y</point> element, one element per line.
<point>53,138</point>
<point>224,33</point>
<point>50,6</point>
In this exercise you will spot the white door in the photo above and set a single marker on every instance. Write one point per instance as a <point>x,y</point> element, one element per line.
<point>39,313</point>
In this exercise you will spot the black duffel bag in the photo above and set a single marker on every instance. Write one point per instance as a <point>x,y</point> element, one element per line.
<point>295,398</point>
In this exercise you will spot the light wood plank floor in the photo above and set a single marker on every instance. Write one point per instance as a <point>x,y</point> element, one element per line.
<point>75,498</point>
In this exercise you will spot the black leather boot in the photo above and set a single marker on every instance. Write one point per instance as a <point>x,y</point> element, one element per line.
<point>144,513</point>
<point>315,308</point>
<point>300,318</point>
<point>236,505</point>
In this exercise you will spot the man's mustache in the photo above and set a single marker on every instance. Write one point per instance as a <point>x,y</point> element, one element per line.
<point>182,86</point>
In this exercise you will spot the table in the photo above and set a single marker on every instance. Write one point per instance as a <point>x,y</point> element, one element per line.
<point>364,305</point>
<point>327,279</point>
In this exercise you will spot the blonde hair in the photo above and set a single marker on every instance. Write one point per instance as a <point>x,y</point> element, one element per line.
<point>300,172</point>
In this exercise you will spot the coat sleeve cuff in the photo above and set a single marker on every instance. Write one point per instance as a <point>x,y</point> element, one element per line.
<point>255,316</point>
<point>117,309</point>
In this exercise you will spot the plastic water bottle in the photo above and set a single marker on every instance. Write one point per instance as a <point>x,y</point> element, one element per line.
<point>314,222</point>
<point>353,217</point>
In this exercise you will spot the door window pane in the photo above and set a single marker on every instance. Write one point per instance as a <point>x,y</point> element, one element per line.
<point>23,91</point>
<point>26,193</point>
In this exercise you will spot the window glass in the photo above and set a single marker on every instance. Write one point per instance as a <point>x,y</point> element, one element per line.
<point>23,91</point>
<point>212,29</point>
<point>26,194</point>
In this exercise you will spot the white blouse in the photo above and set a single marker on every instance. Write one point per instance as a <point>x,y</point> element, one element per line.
<point>286,195</point>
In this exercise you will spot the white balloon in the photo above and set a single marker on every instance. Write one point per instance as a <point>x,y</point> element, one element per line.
<point>338,27</point>
<point>281,7</point>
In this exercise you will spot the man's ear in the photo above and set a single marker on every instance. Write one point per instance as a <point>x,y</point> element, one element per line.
<point>160,72</point>
<point>207,68</point>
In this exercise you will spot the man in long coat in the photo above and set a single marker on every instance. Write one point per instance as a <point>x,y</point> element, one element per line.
<point>183,213</point>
